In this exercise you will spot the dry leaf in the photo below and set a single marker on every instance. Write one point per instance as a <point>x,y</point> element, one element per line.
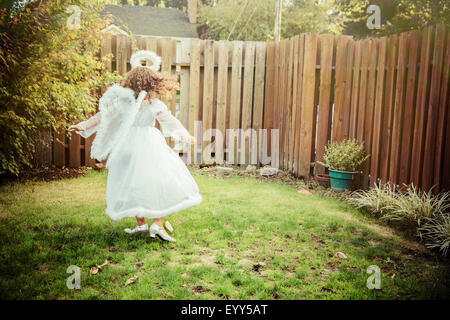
<point>94,270</point>
<point>102,265</point>
<point>131,280</point>
<point>340,255</point>
<point>97,268</point>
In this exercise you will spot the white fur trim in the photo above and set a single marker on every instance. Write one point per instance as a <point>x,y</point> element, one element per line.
<point>138,57</point>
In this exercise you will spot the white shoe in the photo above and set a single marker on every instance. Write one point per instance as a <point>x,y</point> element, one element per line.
<point>156,230</point>
<point>168,226</point>
<point>137,229</point>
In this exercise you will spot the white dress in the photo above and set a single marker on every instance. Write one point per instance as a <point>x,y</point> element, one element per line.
<point>146,178</point>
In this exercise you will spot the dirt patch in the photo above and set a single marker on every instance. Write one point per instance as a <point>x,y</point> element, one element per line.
<point>47,174</point>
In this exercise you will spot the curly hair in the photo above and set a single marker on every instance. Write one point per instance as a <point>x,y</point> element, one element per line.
<point>142,78</point>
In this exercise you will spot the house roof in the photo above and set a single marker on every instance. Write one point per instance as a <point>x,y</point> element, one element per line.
<point>147,20</point>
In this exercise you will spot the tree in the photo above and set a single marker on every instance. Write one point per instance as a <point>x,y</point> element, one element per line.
<point>257,20</point>
<point>396,16</point>
<point>49,73</point>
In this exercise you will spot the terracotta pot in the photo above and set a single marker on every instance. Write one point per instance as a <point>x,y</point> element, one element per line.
<point>323,180</point>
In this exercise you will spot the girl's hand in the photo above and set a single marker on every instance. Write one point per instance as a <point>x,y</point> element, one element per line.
<point>188,139</point>
<point>74,128</point>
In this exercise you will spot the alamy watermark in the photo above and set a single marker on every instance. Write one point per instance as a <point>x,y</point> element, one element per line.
<point>374,21</point>
<point>248,146</point>
<point>73,22</point>
<point>374,280</point>
<point>74,281</point>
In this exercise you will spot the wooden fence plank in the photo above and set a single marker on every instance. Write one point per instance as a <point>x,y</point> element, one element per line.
<point>346,110</point>
<point>269,95</point>
<point>184,96</point>
<point>324,127</point>
<point>121,54</point>
<point>208,92</point>
<point>106,50</point>
<point>433,109</point>
<point>292,133</point>
<point>340,87</point>
<point>409,112</point>
<point>421,107</point>
<point>386,129</point>
<point>290,92</point>
<point>444,111</point>
<point>282,98</point>
<point>222,81</point>
<point>397,126</point>
<point>258,99</point>
<point>369,106</point>
<point>276,103</point>
<point>236,84</point>
<point>299,103</point>
<point>307,117</point>
<point>361,106</point>
<point>194,92</point>
<point>355,90</point>
<point>74,151</point>
<point>59,138</point>
<point>247,100</point>
<point>378,111</point>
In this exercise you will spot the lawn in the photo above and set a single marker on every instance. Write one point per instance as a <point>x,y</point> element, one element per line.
<point>249,239</point>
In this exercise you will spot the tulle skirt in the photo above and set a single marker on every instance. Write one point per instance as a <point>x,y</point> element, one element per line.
<point>146,178</point>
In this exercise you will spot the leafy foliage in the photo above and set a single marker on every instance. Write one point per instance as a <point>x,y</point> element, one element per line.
<point>345,155</point>
<point>223,19</point>
<point>396,16</point>
<point>49,73</point>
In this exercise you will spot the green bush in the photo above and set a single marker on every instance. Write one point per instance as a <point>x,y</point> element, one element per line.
<point>49,73</point>
<point>345,155</point>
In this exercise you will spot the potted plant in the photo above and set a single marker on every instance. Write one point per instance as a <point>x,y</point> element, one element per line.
<point>343,160</point>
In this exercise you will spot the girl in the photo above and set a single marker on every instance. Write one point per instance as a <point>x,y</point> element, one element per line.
<point>146,178</point>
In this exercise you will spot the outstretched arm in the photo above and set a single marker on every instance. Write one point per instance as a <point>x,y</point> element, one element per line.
<point>172,127</point>
<point>88,127</point>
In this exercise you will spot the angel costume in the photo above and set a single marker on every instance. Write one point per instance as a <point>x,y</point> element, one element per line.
<point>146,178</point>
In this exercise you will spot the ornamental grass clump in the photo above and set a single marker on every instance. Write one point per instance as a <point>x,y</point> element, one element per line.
<point>378,200</point>
<point>414,206</point>
<point>346,155</point>
<point>436,233</point>
<point>423,212</point>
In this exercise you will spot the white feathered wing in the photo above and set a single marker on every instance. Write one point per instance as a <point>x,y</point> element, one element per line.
<point>118,108</point>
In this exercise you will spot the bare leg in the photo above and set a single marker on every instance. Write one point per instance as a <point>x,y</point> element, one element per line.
<point>159,222</point>
<point>140,221</point>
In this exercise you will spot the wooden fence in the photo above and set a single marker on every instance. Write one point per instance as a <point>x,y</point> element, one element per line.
<point>392,93</point>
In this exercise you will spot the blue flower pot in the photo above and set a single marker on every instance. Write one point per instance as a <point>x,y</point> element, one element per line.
<point>341,181</point>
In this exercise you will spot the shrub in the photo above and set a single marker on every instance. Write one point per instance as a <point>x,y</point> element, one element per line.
<point>345,155</point>
<point>436,233</point>
<point>49,73</point>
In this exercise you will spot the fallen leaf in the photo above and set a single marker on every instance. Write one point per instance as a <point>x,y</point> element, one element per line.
<point>304,191</point>
<point>94,270</point>
<point>131,280</point>
<point>340,255</point>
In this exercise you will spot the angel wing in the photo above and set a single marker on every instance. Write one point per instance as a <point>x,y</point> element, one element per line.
<point>118,108</point>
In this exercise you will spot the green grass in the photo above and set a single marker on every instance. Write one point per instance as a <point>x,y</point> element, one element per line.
<point>248,239</point>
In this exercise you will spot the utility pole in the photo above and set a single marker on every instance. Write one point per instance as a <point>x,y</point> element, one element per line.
<point>277,29</point>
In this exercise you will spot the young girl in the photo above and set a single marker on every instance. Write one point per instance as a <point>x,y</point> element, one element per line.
<point>146,178</point>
